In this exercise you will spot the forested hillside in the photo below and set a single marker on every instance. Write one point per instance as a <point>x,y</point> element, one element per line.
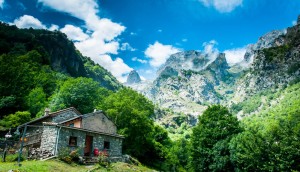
<point>40,69</point>
<point>38,62</point>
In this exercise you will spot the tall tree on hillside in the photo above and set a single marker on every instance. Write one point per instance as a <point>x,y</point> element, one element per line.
<point>82,93</point>
<point>132,114</point>
<point>270,141</point>
<point>210,138</point>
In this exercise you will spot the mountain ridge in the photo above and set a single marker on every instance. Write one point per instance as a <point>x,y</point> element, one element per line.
<point>56,50</point>
<point>191,80</point>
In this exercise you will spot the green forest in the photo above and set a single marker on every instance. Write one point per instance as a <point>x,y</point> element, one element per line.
<point>40,68</point>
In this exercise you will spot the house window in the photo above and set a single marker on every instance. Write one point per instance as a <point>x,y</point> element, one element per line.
<point>106,145</point>
<point>71,125</point>
<point>73,141</point>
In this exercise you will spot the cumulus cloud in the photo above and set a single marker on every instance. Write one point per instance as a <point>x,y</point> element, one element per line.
<point>1,3</point>
<point>126,46</point>
<point>99,39</point>
<point>77,8</point>
<point>53,27</point>
<point>235,55</point>
<point>139,60</point>
<point>117,66</point>
<point>149,71</point>
<point>158,53</point>
<point>184,40</point>
<point>223,6</point>
<point>210,50</point>
<point>294,22</point>
<point>74,33</point>
<point>142,78</point>
<point>94,47</point>
<point>27,21</point>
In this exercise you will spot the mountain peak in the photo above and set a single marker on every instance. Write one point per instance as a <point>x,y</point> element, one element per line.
<point>133,77</point>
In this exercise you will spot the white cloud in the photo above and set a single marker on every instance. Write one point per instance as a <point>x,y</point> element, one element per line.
<point>223,6</point>
<point>117,67</point>
<point>235,55</point>
<point>27,21</point>
<point>149,71</point>
<point>139,60</point>
<point>159,30</point>
<point>77,8</point>
<point>101,33</point>
<point>87,11</point>
<point>1,3</point>
<point>53,27</point>
<point>294,22</point>
<point>126,46</point>
<point>210,50</point>
<point>184,40</point>
<point>94,47</point>
<point>133,33</point>
<point>142,78</point>
<point>74,33</point>
<point>158,53</point>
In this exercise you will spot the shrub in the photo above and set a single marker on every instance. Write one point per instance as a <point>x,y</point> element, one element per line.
<point>103,159</point>
<point>64,155</point>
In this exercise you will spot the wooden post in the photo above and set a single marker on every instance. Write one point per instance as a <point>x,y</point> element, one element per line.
<point>21,148</point>
<point>5,149</point>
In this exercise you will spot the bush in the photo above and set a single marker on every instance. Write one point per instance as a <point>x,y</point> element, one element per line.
<point>103,159</point>
<point>65,155</point>
<point>276,53</point>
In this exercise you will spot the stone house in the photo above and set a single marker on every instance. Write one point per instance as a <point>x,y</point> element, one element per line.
<point>69,129</point>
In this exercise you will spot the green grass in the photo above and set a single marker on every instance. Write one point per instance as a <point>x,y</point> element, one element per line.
<point>41,166</point>
<point>59,166</point>
<point>124,167</point>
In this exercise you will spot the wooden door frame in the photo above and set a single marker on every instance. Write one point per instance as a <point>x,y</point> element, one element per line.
<point>90,145</point>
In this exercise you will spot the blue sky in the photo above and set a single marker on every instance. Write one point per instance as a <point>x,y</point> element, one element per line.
<point>123,35</point>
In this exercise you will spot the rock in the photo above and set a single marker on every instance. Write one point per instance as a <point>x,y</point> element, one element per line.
<point>185,82</point>
<point>133,78</point>
<point>270,39</point>
<point>189,81</point>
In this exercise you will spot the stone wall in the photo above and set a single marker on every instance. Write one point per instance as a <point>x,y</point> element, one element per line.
<point>63,116</point>
<point>97,121</point>
<point>115,144</point>
<point>33,130</point>
<point>48,140</point>
<point>64,136</point>
<point>98,141</point>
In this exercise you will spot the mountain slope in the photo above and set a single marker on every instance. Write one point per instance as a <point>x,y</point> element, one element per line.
<point>38,61</point>
<point>190,81</point>
<point>56,50</point>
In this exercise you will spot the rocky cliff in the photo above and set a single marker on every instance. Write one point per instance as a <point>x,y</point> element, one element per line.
<point>133,78</point>
<point>273,67</point>
<point>190,81</point>
<point>186,82</point>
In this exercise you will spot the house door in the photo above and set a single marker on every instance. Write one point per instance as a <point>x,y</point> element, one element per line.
<point>88,145</point>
